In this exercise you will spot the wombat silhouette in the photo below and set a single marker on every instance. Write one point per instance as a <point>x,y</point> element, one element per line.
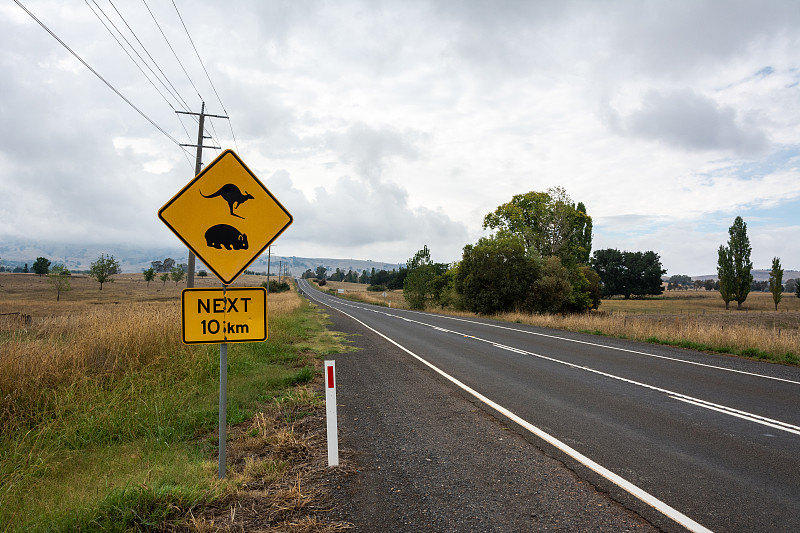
<point>223,235</point>
<point>231,194</point>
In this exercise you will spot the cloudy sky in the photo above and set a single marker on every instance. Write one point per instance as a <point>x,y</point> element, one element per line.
<point>383,126</point>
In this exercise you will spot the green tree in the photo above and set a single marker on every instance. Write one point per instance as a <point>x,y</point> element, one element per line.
<point>202,274</point>
<point>679,281</point>
<point>643,273</point>
<point>582,239</point>
<point>25,270</point>
<point>609,266</point>
<point>149,275</point>
<point>321,272</point>
<point>496,274</point>
<point>102,269</point>
<point>547,222</point>
<point>41,266</point>
<point>628,273</point>
<point>725,274</point>
<point>776,281</point>
<point>164,278</point>
<point>552,289</point>
<point>337,276</point>
<point>737,267</point>
<point>586,289</point>
<point>176,274</point>
<point>58,277</point>
<point>418,283</point>
<point>443,289</point>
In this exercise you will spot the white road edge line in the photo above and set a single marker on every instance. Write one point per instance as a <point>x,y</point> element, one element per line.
<point>624,484</point>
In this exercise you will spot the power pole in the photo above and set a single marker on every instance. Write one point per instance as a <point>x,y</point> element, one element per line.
<point>198,165</point>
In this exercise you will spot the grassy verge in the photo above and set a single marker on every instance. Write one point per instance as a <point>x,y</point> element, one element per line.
<point>108,422</point>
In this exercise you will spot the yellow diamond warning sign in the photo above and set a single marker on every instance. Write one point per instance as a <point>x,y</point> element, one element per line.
<point>236,314</point>
<point>226,216</point>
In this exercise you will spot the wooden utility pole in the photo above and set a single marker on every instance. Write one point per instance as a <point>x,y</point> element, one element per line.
<point>198,166</point>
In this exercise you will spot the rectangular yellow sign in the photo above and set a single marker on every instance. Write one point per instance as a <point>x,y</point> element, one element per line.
<point>238,314</point>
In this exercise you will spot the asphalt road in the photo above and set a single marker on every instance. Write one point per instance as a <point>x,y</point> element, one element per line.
<point>685,439</point>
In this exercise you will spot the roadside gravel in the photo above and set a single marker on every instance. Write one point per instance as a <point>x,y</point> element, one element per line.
<point>420,455</point>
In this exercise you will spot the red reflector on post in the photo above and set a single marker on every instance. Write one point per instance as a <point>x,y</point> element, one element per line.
<point>330,377</point>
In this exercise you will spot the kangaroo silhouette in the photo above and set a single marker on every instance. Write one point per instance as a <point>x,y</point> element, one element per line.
<point>231,194</point>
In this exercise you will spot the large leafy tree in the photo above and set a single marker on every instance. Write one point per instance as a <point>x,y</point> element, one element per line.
<point>102,269</point>
<point>547,222</point>
<point>552,289</point>
<point>734,267</point>
<point>609,266</point>
<point>776,281</point>
<point>644,273</point>
<point>496,274</point>
<point>41,266</point>
<point>628,273</point>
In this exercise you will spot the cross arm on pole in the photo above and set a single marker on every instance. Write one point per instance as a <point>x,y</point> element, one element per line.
<point>198,114</point>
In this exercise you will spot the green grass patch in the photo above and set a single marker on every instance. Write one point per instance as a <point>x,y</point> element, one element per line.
<point>753,353</point>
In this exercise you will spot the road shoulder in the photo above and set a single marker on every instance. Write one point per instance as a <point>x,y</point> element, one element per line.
<point>420,455</point>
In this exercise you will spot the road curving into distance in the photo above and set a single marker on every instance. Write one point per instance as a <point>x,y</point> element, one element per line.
<point>687,440</point>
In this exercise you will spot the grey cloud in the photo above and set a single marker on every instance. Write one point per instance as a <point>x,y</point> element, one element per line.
<point>689,121</point>
<point>357,213</point>
<point>673,38</point>
<point>368,149</point>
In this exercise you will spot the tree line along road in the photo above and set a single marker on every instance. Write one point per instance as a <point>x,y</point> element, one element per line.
<point>687,440</point>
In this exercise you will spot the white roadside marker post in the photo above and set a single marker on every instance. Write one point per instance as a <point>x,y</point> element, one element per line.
<point>330,413</point>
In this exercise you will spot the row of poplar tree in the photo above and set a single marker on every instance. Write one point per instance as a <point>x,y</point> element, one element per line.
<point>734,268</point>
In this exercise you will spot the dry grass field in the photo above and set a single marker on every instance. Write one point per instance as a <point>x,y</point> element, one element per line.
<point>359,291</point>
<point>690,319</point>
<point>128,325</point>
<point>104,410</point>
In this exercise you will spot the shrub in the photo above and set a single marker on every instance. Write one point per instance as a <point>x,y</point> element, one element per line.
<point>275,286</point>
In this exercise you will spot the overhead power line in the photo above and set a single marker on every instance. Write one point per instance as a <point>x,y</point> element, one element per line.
<point>174,91</point>
<point>174,53</point>
<point>171,48</point>
<point>206,71</point>
<point>108,84</point>
<point>138,65</point>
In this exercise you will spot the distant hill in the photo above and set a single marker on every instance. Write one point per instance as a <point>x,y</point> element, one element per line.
<point>13,254</point>
<point>17,253</point>
<point>758,275</point>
